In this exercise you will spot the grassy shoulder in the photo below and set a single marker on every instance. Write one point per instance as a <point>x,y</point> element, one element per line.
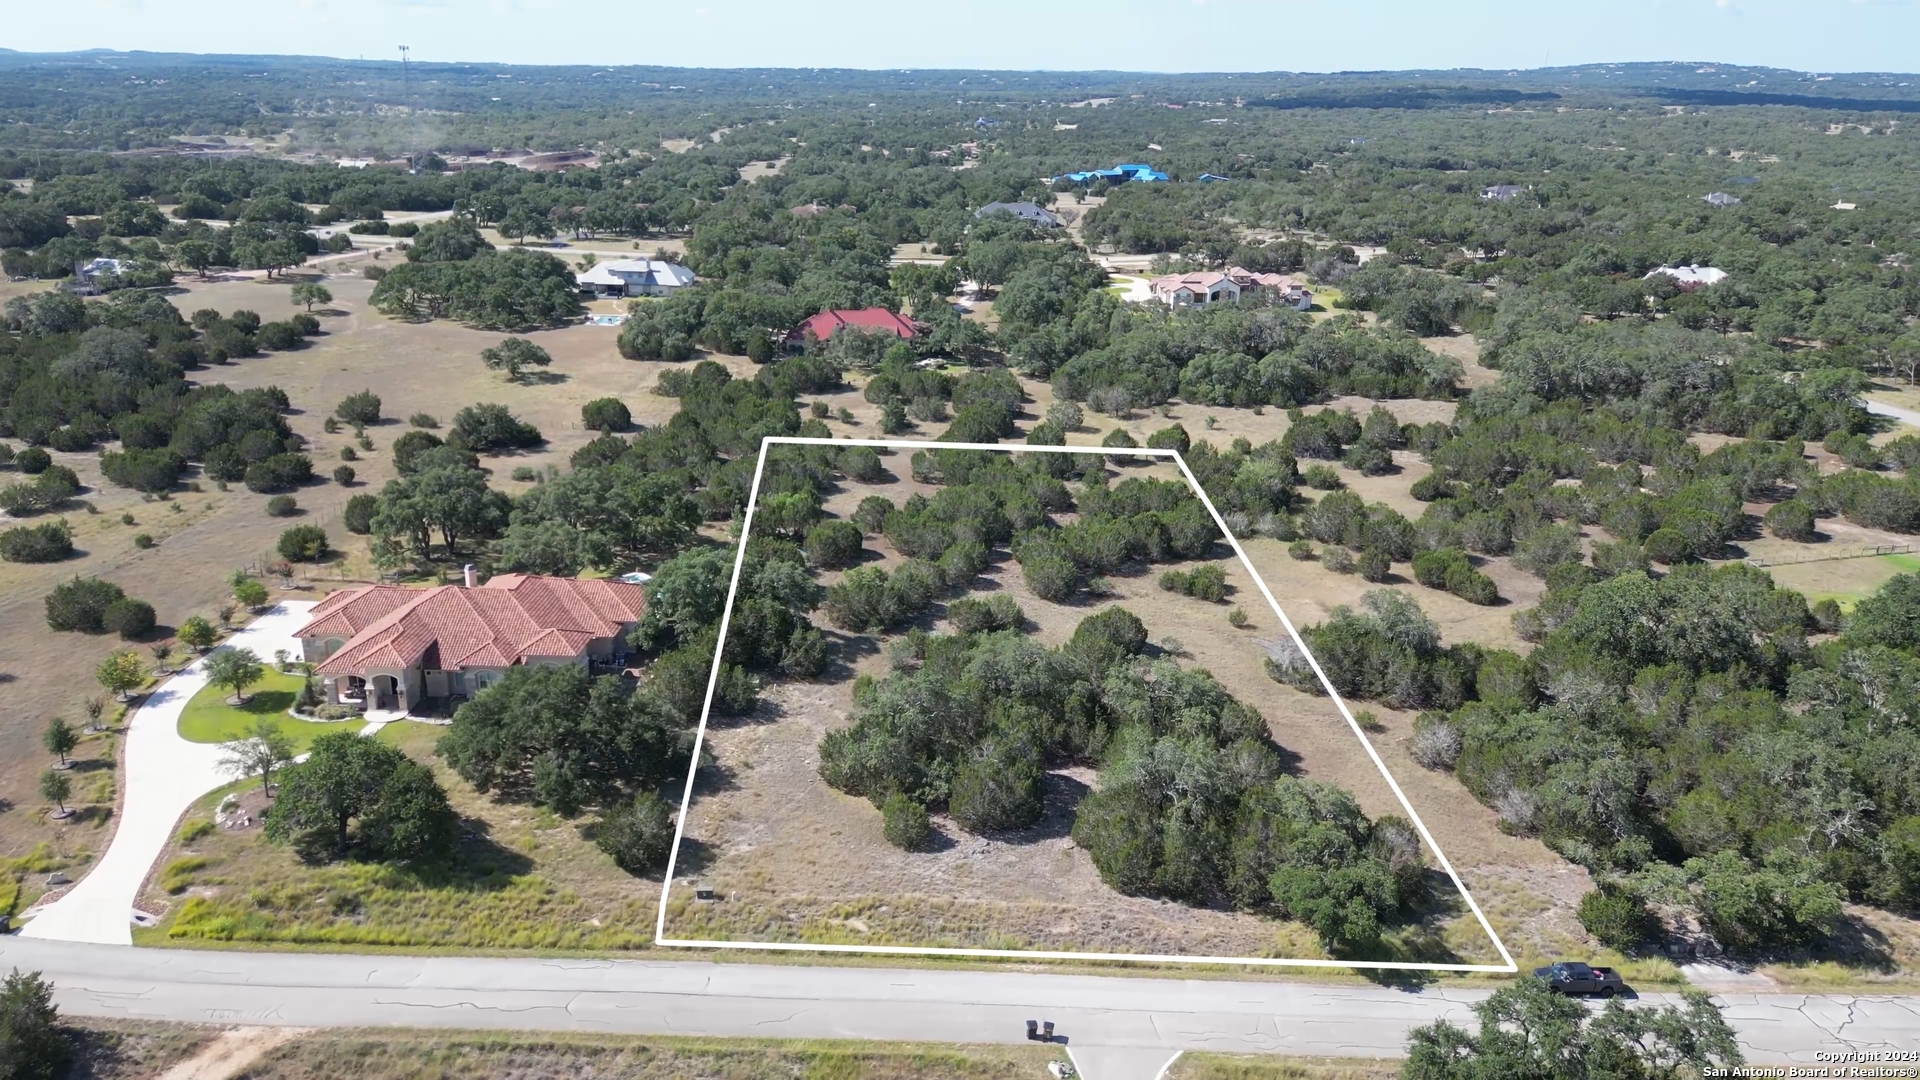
<point>1252,1067</point>
<point>383,1054</point>
<point>208,718</point>
<point>522,878</point>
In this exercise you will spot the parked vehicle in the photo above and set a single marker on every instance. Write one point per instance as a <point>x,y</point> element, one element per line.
<point>1573,977</point>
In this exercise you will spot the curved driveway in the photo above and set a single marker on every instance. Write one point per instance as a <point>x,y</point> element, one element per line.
<point>976,1006</point>
<point>163,775</point>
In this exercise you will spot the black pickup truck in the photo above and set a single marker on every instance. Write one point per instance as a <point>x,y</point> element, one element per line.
<point>1573,977</point>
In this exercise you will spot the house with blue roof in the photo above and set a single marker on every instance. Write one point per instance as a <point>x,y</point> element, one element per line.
<point>1119,174</point>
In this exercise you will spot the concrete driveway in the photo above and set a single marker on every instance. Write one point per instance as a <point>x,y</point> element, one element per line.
<point>162,775</point>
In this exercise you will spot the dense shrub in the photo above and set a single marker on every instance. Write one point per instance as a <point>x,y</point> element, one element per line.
<point>905,823</point>
<point>129,618</point>
<point>971,615</point>
<point>81,604</point>
<point>833,544</point>
<point>606,414</point>
<point>33,460</point>
<point>358,515</point>
<point>303,543</point>
<point>278,473</point>
<point>1791,520</point>
<point>637,834</point>
<point>47,542</point>
<point>282,506</point>
<point>491,429</point>
<point>1616,918</point>
<point>361,409</point>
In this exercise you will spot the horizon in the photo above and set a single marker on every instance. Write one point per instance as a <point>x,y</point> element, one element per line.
<point>1121,36</point>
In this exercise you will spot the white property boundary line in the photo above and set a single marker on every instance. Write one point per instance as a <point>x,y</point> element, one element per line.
<point>713,680</point>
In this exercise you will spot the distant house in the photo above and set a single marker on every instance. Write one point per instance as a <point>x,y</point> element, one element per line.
<point>1119,174</point>
<point>1689,277</point>
<point>1288,290</point>
<point>1209,178</point>
<point>1227,287</point>
<point>823,326</point>
<point>1032,213</point>
<point>1721,198</point>
<point>1844,206</point>
<point>88,274</point>
<point>1502,192</point>
<point>1195,290</point>
<point>806,210</point>
<point>389,648</point>
<point>634,277</point>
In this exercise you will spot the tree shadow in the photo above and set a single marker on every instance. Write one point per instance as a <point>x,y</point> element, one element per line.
<point>542,378</point>
<point>841,650</point>
<point>478,863</point>
<point>695,855</point>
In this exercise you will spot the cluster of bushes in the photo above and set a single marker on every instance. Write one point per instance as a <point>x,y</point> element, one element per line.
<point>1136,519</point>
<point>453,273</point>
<point>1207,582</point>
<point>1647,735</point>
<point>115,370</point>
<point>1387,651</point>
<point>1450,569</point>
<point>972,722</point>
<point>49,541</point>
<point>94,606</point>
<point>1245,355</point>
<point>48,490</point>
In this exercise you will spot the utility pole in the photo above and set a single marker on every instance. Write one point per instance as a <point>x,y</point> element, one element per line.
<point>406,95</point>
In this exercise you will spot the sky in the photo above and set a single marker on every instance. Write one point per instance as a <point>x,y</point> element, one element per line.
<point>1132,35</point>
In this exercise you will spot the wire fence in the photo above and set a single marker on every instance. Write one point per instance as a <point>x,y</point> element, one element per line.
<point>1856,551</point>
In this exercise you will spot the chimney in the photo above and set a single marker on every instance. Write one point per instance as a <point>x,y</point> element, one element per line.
<point>468,571</point>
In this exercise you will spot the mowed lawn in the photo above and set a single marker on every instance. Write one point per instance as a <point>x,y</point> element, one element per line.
<point>209,719</point>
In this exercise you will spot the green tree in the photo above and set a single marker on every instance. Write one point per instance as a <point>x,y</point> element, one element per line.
<point>260,752</point>
<point>56,787</point>
<point>361,792</point>
<point>250,594</point>
<point>310,293</point>
<point>235,670</point>
<point>32,1044</point>
<point>197,632</point>
<point>514,356</point>
<point>60,739</point>
<point>1526,1030</point>
<point>121,673</point>
<point>565,739</point>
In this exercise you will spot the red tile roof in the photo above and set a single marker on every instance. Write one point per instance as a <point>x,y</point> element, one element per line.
<point>510,619</point>
<point>823,325</point>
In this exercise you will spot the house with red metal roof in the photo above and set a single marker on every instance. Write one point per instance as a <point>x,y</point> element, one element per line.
<point>390,648</point>
<point>869,320</point>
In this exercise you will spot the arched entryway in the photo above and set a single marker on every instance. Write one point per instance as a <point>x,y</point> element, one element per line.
<point>384,692</point>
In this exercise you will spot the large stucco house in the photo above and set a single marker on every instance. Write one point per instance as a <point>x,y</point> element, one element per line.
<point>634,277</point>
<point>390,648</point>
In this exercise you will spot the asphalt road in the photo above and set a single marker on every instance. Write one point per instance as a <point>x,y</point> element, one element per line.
<point>1152,1016</point>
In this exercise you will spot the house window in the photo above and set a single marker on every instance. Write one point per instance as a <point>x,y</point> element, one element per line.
<point>333,646</point>
<point>484,679</point>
